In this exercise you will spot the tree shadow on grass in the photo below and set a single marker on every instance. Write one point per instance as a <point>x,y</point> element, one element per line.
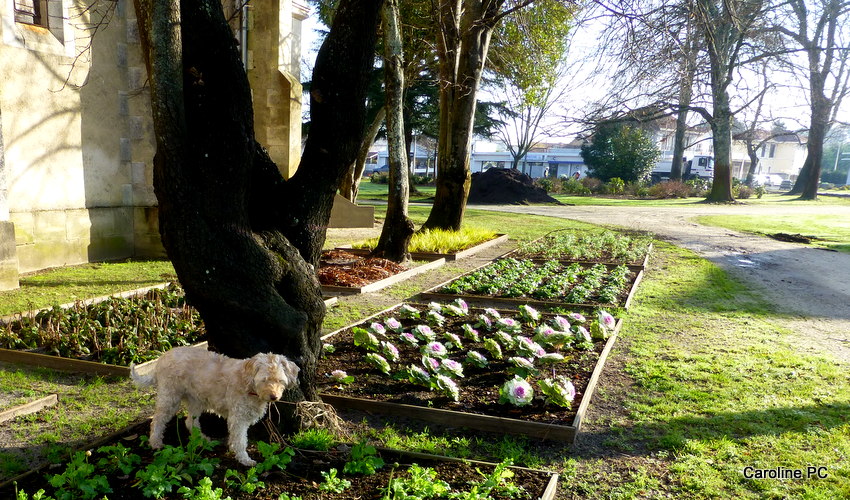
<point>645,438</point>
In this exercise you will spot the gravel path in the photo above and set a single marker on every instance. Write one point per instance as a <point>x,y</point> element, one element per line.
<point>812,285</point>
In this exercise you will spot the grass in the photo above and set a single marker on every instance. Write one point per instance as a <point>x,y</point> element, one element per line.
<point>378,192</point>
<point>703,382</point>
<point>832,232</point>
<point>766,199</point>
<point>67,284</point>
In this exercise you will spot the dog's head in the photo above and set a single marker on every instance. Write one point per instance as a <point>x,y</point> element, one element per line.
<point>270,375</point>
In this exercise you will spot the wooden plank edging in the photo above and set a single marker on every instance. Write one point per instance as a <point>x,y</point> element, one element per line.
<point>27,408</point>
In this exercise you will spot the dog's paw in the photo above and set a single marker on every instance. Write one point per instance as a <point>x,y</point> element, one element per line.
<point>246,460</point>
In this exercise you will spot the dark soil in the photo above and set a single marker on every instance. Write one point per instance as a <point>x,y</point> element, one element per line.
<point>793,238</point>
<point>498,186</point>
<point>341,268</point>
<point>301,477</point>
<point>479,388</point>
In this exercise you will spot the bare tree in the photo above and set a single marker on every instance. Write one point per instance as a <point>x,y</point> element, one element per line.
<point>819,29</point>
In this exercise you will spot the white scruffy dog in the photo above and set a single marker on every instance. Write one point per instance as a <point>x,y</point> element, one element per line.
<point>236,389</point>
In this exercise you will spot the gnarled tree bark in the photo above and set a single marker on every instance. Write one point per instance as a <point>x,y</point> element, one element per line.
<point>245,242</point>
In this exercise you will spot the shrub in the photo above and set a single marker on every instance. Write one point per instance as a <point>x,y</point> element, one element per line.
<point>546,183</point>
<point>760,190</point>
<point>380,178</point>
<point>616,186</point>
<point>670,189</point>
<point>743,192</point>
<point>593,184</point>
<point>422,180</point>
<point>698,187</point>
<point>573,186</point>
<point>619,150</point>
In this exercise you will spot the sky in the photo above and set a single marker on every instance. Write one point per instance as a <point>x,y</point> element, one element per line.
<point>587,87</point>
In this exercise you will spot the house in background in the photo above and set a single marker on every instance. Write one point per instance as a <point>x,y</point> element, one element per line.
<point>76,136</point>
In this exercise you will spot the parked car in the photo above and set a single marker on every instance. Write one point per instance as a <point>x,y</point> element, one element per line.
<point>786,184</point>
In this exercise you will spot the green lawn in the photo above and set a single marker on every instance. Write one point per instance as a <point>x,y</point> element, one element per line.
<point>378,192</point>
<point>766,199</point>
<point>703,383</point>
<point>831,231</point>
<point>67,284</point>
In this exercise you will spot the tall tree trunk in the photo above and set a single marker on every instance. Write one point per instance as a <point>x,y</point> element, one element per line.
<point>350,186</point>
<point>398,228</point>
<point>808,180</point>
<point>685,94</point>
<point>752,152</point>
<point>463,42</point>
<point>243,241</point>
<point>721,127</point>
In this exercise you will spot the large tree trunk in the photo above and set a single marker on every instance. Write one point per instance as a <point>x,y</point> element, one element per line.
<point>243,241</point>
<point>398,228</point>
<point>808,180</point>
<point>463,42</point>
<point>721,127</point>
<point>350,186</point>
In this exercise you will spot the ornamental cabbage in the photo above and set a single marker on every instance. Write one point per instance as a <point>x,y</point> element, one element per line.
<point>517,392</point>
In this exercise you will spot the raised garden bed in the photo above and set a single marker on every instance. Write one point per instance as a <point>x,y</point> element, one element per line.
<point>350,375</point>
<point>343,272</point>
<point>431,256</point>
<point>511,282</point>
<point>124,466</point>
<point>103,336</point>
<point>608,247</point>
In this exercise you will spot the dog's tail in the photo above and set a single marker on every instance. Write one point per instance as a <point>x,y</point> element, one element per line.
<point>142,380</point>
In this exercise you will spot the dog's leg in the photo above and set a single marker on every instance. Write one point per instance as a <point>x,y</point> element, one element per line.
<point>237,440</point>
<point>195,407</point>
<point>167,406</point>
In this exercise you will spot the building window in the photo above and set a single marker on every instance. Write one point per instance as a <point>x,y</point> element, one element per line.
<point>772,150</point>
<point>31,12</point>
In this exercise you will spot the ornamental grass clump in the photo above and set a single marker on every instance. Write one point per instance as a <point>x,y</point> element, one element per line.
<point>440,240</point>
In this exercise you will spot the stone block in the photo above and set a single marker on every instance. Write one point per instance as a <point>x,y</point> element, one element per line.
<point>8,257</point>
<point>347,214</point>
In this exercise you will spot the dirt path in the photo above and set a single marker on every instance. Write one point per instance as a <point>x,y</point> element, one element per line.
<point>812,285</point>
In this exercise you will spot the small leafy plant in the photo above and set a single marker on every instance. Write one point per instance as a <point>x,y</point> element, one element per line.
<point>313,439</point>
<point>332,483</point>
<point>364,460</point>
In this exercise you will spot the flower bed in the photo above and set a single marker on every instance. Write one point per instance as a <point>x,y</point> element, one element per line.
<point>550,283</point>
<point>605,247</point>
<point>522,372</point>
<point>125,467</point>
<point>342,272</point>
<point>448,256</point>
<point>114,331</point>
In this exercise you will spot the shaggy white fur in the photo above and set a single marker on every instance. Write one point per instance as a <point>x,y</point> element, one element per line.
<point>236,389</point>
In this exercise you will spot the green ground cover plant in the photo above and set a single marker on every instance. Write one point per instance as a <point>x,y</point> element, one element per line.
<point>831,232</point>
<point>550,281</point>
<point>607,246</point>
<point>115,331</point>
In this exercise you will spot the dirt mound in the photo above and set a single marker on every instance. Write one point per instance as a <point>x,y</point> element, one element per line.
<point>506,187</point>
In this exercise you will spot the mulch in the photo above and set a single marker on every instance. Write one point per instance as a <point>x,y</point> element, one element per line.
<point>341,268</point>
